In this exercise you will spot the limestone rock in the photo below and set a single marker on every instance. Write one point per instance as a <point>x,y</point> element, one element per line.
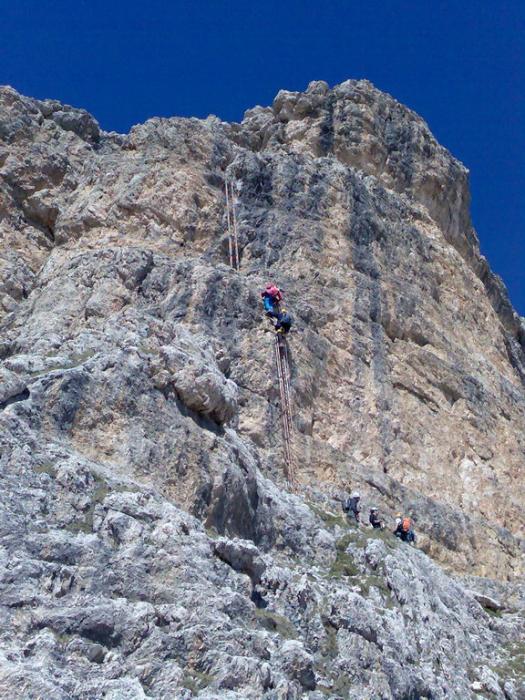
<point>150,545</point>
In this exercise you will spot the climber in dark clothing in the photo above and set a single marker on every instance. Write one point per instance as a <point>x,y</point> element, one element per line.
<point>283,323</point>
<point>351,507</point>
<point>375,520</point>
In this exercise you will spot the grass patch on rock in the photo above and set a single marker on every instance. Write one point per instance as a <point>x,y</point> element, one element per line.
<point>372,581</point>
<point>514,666</point>
<point>329,648</point>
<point>98,495</point>
<point>385,536</point>
<point>330,519</point>
<point>273,622</point>
<point>76,360</point>
<point>46,468</point>
<point>148,348</point>
<point>339,689</point>
<point>344,564</point>
<point>196,681</point>
<point>212,533</point>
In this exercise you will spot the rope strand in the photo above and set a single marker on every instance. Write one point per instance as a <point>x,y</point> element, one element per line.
<point>283,373</point>
<point>233,238</point>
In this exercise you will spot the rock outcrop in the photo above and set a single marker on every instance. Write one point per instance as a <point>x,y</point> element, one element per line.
<point>149,546</point>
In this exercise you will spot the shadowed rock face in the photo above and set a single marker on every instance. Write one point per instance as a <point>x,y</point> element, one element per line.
<point>139,414</point>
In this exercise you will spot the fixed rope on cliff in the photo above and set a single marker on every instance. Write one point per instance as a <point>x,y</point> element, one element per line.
<point>272,298</point>
<point>285,394</point>
<point>231,219</point>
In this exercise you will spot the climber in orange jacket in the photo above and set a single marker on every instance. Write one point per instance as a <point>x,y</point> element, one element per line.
<point>405,530</point>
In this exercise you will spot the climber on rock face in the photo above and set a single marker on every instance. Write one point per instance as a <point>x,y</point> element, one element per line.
<point>283,323</point>
<point>272,297</point>
<point>375,520</point>
<point>405,530</point>
<point>352,507</point>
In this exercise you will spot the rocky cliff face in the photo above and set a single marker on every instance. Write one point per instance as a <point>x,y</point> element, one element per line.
<point>150,547</point>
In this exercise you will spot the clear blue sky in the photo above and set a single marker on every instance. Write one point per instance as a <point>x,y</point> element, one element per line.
<point>460,64</point>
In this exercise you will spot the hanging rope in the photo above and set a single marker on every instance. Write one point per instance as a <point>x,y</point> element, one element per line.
<point>283,373</point>
<point>233,245</point>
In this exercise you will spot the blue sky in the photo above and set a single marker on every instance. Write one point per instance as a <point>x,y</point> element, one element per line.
<point>460,64</point>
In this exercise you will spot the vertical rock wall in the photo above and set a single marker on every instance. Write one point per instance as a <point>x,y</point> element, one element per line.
<point>122,317</point>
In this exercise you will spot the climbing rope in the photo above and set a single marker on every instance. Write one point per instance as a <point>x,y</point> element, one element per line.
<point>231,218</point>
<point>283,373</point>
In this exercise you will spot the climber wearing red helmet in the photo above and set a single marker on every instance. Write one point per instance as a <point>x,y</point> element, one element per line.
<point>271,297</point>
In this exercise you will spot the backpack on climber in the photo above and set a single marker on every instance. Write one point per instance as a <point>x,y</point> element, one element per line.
<point>352,508</point>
